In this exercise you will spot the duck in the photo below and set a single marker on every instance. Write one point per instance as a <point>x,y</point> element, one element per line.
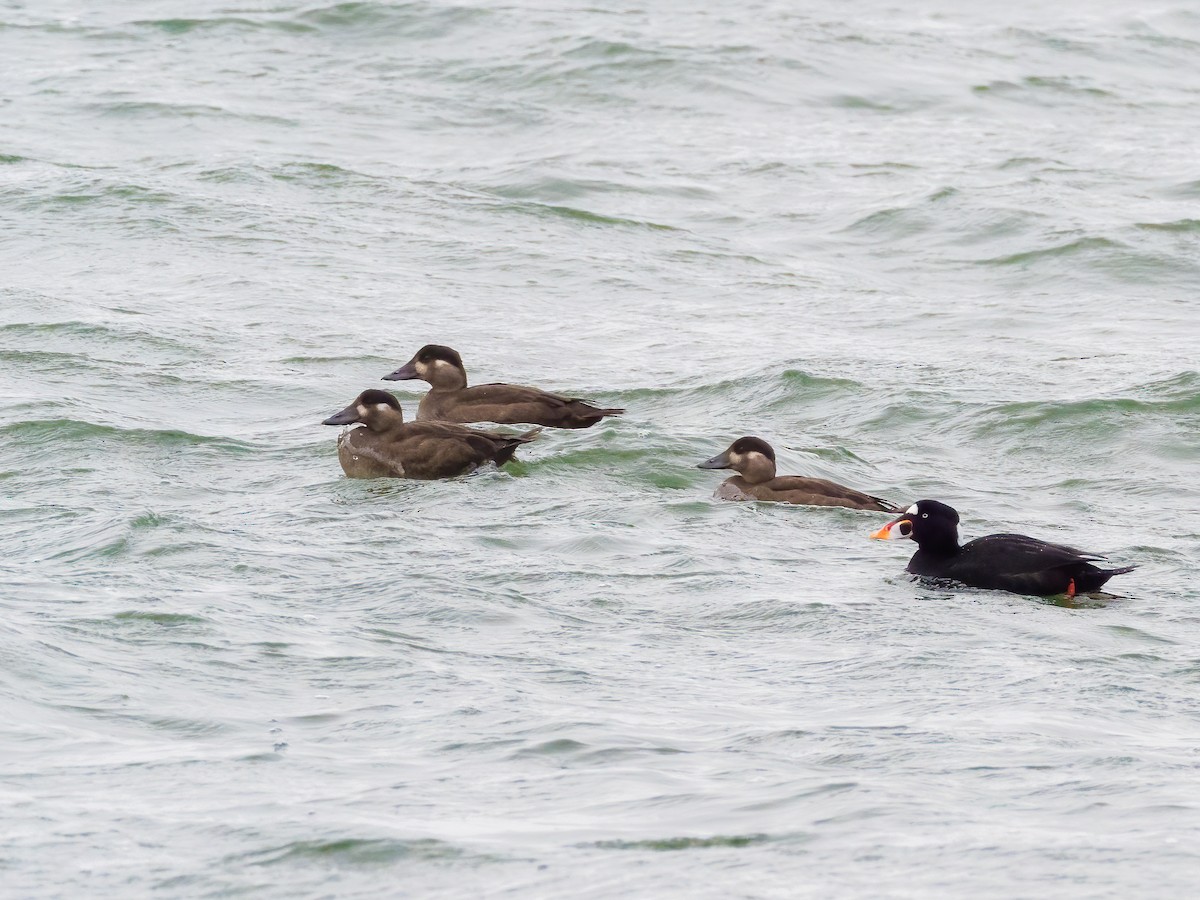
<point>389,447</point>
<point>754,461</point>
<point>1003,562</point>
<point>451,400</point>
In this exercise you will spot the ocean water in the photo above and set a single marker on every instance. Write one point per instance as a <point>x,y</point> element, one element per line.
<point>943,249</point>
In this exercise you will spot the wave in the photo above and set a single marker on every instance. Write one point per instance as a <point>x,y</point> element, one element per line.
<point>354,852</point>
<point>37,433</point>
<point>383,21</point>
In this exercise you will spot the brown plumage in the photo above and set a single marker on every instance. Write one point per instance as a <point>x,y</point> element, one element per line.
<point>450,400</point>
<point>389,447</point>
<point>754,461</point>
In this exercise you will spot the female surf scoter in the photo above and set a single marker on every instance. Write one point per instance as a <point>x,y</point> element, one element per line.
<point>388,447</point>
<point>1003,562</point>
<point>450,400</point>
<point>754,461</point>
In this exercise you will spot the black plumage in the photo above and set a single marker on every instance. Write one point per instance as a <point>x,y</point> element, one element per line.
<point>1005,562</point>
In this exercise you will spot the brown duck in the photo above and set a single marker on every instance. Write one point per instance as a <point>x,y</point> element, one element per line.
<point>388,447</point>
<point>754,461</point>
<point>450,400</point>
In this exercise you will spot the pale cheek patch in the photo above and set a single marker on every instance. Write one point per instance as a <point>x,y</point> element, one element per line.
<point>381,407</point>
<point>362,412</point>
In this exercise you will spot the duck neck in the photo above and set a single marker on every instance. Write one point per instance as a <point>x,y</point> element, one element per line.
<point>444,376</point>
<point>380,421</point>
<point>757,469</point>
<point>939,545</point>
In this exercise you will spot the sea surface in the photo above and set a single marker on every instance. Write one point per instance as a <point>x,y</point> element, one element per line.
<point>938,249</point>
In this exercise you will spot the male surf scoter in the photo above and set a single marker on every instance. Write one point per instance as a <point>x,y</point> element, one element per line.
<point>389,447</point>
<point>1003,562</point>
<point>754,461</point>
<point>450,400</point>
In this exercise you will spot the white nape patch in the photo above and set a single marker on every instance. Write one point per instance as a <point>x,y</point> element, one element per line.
<point>911,511</point>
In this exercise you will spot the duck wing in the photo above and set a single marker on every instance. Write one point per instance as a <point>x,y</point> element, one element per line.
<point>1014,562</point>
<point>822,492</point>
<point>511,404</point>
<point>1018,554</point>
<point>444,449</point>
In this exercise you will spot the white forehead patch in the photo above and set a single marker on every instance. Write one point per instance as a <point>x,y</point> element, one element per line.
<point>911,511</point>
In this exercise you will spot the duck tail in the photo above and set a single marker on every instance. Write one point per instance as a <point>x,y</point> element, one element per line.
<point>1086,581</point>
<point>584,415</point>
<point>504,453</point>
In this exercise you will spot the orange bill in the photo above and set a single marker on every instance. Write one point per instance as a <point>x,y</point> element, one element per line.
<point>891,530</point>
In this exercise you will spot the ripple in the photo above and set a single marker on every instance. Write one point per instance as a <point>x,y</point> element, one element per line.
<point>1092,246</point>
<point>387,21</point>
<point>685,843</point>
<point>154,110</point>
<point>43,333</point>
<point>234,24</point>
<point>168,620</point>
<point>1179,226</point>
<point>355,852</point>
<point>74,431</point>
<point>1040,90</point>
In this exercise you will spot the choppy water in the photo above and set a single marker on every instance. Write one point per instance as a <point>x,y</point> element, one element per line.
<point>948,250</point>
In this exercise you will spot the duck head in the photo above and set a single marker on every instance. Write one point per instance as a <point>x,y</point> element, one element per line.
<point>932,524</point>
<point>378,410</point>
<point>750,457</point>
<point>441,366</point>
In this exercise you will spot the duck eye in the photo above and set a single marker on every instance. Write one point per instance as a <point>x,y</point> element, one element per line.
<point>924,515</point>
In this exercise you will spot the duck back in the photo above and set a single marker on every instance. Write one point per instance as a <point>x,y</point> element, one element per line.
<point>510,404</point>
<point>424,450</point>
<point>808,492</point>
